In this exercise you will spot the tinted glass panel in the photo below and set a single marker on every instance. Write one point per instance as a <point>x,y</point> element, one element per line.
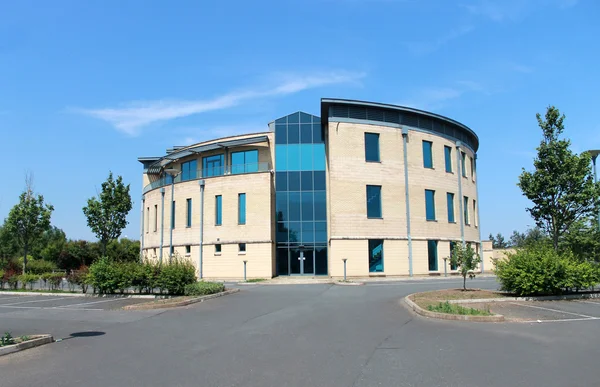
<point>173,214</point>
<point>448,157</point>
<point>307,206</point>
<point>306,133</point>
<point>317,133</point>
<point>213,166</point>
<point>375,255</point>
<point>188,221</point>
<point>371,147</point>
<point>281,157</point>
<point>308,234</point>
<point>450,204</point>
<point>452,266</point>
<point>293,157</point>
<point>306,155</point>
<point>281,181</point>
<point>295,232</point>
<point>430,204</point>
<point>282,232</point>
<point>466,209</point>
<point>432,255</point>
<point>319,181</point>
<point>281,205</point>
<point>188,170</point>
<point>242,208</point>
<point>294,181</point>
<point>293,134</point>
<point>305,118</point>
<point>374,201</point>
<point>294,205</point>
<point>294,118</point>
<point>320,206</point>
<point>427,155</point>
<point>282,262</point>
<point>306,178</point>
<point>321,261</point>
<point>320,232</point>
<point>462,164</point>
<point>319,157</point>
<point>218,210</point>
<point>280,134</point>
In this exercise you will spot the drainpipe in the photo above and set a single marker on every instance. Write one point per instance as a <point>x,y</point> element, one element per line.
<point>478,219</point>
<point>410,261</point>
<point>201,182</point>
<point>162,222</point>
<point>142,231</point>
<point>172,224</point>
<point>460,195</point>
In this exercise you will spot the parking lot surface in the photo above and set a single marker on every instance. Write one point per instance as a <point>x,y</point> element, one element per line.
<point>8,303</point>
<point>547,311</point>
<point>299,336</point>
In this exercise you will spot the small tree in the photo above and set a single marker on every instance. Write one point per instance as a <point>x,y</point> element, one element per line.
<point>465,258</point>
<point>562,186</point>
<point>107,214</point>
<point>29,219</point>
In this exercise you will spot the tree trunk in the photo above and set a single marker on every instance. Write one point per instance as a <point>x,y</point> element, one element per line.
<point>25,257</point>
<point>464,282</point>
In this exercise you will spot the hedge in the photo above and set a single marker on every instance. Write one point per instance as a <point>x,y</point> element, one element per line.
<point>203,288</point>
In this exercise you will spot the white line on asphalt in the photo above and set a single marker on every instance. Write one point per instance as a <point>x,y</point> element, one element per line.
<point>46,307</point>
<point>88,303</point>
<point>12,298</point>
<point>589,302</point>
<point>555,310</point>
<point>562,320</point>
<point>25,302</point>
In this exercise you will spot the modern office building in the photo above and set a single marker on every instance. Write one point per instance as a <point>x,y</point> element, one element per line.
<point>385,188</point>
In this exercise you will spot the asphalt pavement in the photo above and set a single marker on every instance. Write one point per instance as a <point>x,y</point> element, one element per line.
<point>299,335</point>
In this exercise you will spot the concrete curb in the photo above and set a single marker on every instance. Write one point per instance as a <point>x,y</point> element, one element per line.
<point>35,342</point>
<point>341,283</point>
<point>147,306</point>
<point>584,296</point>
<point>445,316</point>
<point>250,283</point>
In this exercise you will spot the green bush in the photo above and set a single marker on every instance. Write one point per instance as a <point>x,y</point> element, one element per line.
<point>173,277</point>
<point>40,266</point>
<point>540,270</point>
<point>145,277</point>
<point>104,276</point>
<point>79,278</point>
<point>28,279</point>
<point>13,281</point>
<point>203,288</point>
<point>2,280</point>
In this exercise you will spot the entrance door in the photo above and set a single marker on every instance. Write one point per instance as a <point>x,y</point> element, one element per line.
<point>302,261</point>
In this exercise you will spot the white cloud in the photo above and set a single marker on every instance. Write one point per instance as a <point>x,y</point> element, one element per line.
<point>426,47</point>
<point>191,135</point>
<point>130,118</point>
<point>512,10</point>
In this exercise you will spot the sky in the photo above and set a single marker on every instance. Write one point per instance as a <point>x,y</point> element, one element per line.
<point>87,87</point>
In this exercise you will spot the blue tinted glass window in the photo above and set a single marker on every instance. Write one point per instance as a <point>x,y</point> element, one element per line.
<point>308,233</point>
<point>188,170</point>
<point>282,232</point>
<point>281,121</point>
<point>213,165</point>
<point>293,134</point>
<point>320,205</point>
<point>294,181</point>
<point>188,220</point>
<point>251,160</point>
<point>452,246</point>
<point>306,155</point>
<point>466,209</point>
<point>319,180</point>
<point>293,157</point>
<point>448,157</point>
<point>429,204</point>
<point>319,157</point>
<point>242,208</point>
<point>295,232</point>
<point>294,206</point>
<point>306,133</point>
<point>317,133</point>
<point>237,162</point>
<point>373,201</point>
<point>320,232</point>
<point>450,203</point>
<point>281,206</point>
<point>173,214</point>
<point>293,118</point>
<point>375,255</point>
<point>244,162</point>
<point>307,206</point>
<point>306,180</point>
<point>281,156</point>
<point>281,181</point>
<point>432,255</point>
<point>427,154</point>
<point>462,164</point>
<point>218,210</point>
<point>305,118</point>
<point>371,147</point>
<point>280,134</point>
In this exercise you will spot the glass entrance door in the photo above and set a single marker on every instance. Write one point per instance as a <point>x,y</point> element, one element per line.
<point>302,261</point>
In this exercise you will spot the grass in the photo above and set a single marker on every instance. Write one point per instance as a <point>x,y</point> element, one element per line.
<point>251,280</point>
<point>446,307</point>
<point>39,290</point>
<point>434,299</point>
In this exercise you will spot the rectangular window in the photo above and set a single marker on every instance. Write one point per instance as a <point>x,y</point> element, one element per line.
<point>448,157</point>
<point>188,220</point>
<point>475,212</point>
<point>432,254</point>
<point>242,247</point>
<point>213,165</point>
<point>218,210</point>
<point>218,249</point>
<point>155,217</point>
<point>430,204</point>
<point>171,250</point>
<point>450,203</point>
<point>242,208</point>
<point>427,154</point>
<point>463,163</point>
<point>244,162</point>
<point>173,214</point>
<point>452,266</point>
<point>147,219</point>
<point>188,170</point>
<point>472,168</point>
<point>188,249</point>
<point>372,147</point>
<point>373,201</point>
<point>375,255</point>
<point>466,209</point>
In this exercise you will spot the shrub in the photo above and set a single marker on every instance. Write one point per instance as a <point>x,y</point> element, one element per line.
<point>28,279</point>
<point>79,278</point>
<point>2,280</point>
<point>175,276</point>
<point>145,276</point>
<point>55,280</point>
<point>203,288</point>
<point>13,281</point>
<point>104,276</point>
<point>40,266</point>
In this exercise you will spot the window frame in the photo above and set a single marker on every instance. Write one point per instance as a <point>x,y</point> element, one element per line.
<point>450,206</point>
<point>427,205</point>
<point>448,158</point>
<point>463,163</point>
<point>240,250</point>
<point>376,242</point>
<point>218,210</point>
<point>380,206</point>
<point>436,259</point>
<point>241,211</point>
<point>188,249</point>
<point>374,137</point>
<point>188,208</point>
<point>430,158</point>
<point>466,210</point>
<point>218,249</point>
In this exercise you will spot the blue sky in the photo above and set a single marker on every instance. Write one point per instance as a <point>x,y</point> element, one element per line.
<point>87,87</point>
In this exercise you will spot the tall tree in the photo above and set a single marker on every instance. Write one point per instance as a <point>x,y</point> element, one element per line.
<point>29,219</point>
<point>466,259</point>
<point>492,239</point>
<point>107,214</point>
<point>561,186</point>
<point>500,242</point>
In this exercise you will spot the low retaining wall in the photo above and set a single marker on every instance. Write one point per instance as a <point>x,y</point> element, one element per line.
<point>446,316</point>
<point>36,341</point>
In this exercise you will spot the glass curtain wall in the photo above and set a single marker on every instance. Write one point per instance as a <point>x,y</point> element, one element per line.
<point>300,195</point>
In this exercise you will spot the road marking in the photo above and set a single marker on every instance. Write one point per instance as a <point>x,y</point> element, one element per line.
<point>555,310</point>
<point>561,320</point>
<point>589,302</point>
<point>12,298</point>
<point>25,302</point>
<point>46,307</point>
<point>93,302</point>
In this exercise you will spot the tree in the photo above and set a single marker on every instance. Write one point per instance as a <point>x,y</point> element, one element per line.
<point>528,238</point>
<point>498,242</point>
<point>562,186</point>
<point>465,258</point>
<point>107,214</point>
<point>29,219</point>
<point>8,243</point>
<point>492,239</point>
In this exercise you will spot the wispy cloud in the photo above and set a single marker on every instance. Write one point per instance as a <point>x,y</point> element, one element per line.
<point>426,47</point>
<point>512,10</point>
<point>435,98</point>
<point>132,117</point>
<point>193,135</point>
